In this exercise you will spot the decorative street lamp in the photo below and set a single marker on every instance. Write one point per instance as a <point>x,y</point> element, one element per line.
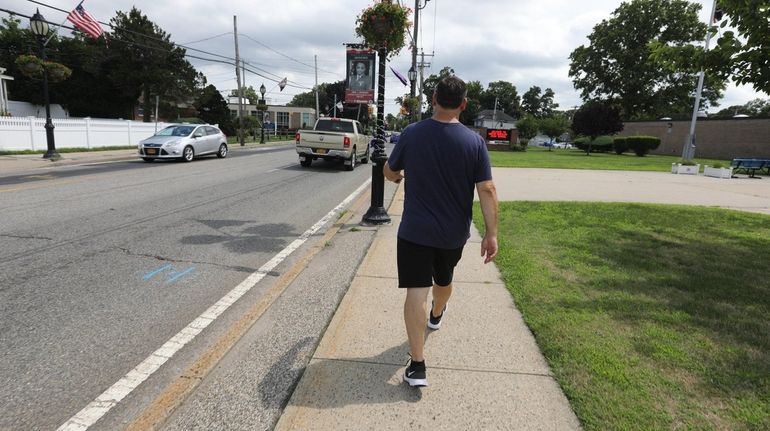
<point>412,78</point>
<point>40,28</point>
<point>262,106</point>
<point>383,27</point>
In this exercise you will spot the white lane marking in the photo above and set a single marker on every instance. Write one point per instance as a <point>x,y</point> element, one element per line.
<point>115,393</point>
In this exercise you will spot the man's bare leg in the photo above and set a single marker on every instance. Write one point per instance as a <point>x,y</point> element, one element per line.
<point>416,319</point>
<point>441,296</point>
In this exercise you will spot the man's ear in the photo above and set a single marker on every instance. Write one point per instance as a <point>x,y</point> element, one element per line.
<point>433,99</point>
<point>464,104</point>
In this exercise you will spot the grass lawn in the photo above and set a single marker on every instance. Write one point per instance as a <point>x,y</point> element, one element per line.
<point>650,316</point>
<point>68,150</point>
<point>539,157</point>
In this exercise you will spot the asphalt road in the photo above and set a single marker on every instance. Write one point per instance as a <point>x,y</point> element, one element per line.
<point>100,265</point>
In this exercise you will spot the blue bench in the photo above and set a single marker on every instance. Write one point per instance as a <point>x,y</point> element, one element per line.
<point>750,166</point>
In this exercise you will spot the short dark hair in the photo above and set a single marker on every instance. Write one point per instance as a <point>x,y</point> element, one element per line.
<point>450,92</point>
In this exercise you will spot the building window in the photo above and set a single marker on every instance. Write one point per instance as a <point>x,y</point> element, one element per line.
<point>283,120</point>
<point>233,113</point>
<point>306,120</point>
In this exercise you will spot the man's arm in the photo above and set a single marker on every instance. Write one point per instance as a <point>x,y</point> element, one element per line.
<point>395,176</point>
<point>488,200</point>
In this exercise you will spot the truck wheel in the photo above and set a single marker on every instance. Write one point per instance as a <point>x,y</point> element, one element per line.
<point>306,163</point>
<point>352,161</point>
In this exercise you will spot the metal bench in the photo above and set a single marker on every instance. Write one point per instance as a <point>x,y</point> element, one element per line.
<point>751,166</point>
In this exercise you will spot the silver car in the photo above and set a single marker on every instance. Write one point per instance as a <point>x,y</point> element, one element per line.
<point>184,141</point>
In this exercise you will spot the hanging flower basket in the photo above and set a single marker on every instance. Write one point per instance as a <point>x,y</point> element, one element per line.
<point>57,72</point>
<point>384,26</point>
<point>30,66</point>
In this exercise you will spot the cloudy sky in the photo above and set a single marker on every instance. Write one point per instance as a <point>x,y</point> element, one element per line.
<point>526,42</point>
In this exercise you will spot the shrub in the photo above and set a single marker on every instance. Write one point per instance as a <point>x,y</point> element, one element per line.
<point>641,145</point>
<point>718,165</point>
<point>602,144</point>
<point>620,145</point>
<point>686,162</point>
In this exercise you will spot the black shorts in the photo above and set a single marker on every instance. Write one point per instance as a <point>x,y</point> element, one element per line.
<point>422,266</point>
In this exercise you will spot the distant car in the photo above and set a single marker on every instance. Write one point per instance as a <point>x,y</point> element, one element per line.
<point>394,137</point>
<point>564,145</point>
<point>185,142</point>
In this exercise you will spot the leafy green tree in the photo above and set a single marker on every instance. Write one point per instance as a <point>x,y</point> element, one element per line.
<point>472,109</point>
<point>144,62</point>
<point>553,126</point>
<point>537,103</point>
<point>596,118</point>
<point>16,41</point>
<point>507,97</point>
<point>617,65</point>
<point>251,95</point>
<point>528,127</point>
<point>213,109</point>
<point>753,108</point>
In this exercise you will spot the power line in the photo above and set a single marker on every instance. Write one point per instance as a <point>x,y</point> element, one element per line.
<point>282,54</point>
<point>208,38</point>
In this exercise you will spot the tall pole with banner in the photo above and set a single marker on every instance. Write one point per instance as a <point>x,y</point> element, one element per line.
<point>377,215</point>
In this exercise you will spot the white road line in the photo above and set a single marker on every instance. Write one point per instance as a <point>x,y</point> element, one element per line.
<point>115,393</point>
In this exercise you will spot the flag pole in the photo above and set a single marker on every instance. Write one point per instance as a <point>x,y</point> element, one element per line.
<point>59,26</point>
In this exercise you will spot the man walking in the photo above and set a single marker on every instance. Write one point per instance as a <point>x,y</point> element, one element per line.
<point>443,161</point>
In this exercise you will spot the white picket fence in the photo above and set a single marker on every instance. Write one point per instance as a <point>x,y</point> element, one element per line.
<point>28,133</point>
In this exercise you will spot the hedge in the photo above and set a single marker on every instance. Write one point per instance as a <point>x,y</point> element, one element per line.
<point>620,145</point>
<point>641,145</point>
<point>602,144</point>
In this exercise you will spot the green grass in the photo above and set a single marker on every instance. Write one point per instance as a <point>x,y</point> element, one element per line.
<point>68,150</point>
<point>650,316</point>
<point>538,157</point>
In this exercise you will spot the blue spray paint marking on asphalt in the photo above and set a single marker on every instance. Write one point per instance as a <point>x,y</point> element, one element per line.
<point>149,275</point>
<point>174,276</point>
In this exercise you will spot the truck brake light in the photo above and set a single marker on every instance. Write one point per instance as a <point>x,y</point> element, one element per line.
<point>346,142</point>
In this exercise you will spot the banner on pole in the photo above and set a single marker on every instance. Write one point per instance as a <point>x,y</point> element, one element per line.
<point>360,75</point>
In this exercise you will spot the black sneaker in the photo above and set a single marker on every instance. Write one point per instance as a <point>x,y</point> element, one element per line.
<point>414,374</point>
<point>434,322</point>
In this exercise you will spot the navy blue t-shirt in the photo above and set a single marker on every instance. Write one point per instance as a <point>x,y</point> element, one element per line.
<point>442,163</point>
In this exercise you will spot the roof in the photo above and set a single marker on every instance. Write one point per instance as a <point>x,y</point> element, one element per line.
<point>488,114</point>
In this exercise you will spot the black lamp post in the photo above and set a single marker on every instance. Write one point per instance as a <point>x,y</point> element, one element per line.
<point>376,215</point>
<point>40,28</point>
<point>262,91</point>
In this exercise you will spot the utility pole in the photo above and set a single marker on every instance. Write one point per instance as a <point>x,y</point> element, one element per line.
<point>238,78</point>
<point>317,107</point>
<point>422,66</point>
<point>414,42</point>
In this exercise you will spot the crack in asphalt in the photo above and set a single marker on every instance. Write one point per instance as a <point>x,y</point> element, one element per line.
<point>167,259</point>
<point>26,237</point>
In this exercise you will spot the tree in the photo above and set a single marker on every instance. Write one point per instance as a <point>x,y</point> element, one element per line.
<point>507,97</point>
<point>553,126</point>
<point>527,127</point>
<point>251,95</point>
<point>617,65</point>
<point>144,62</point>
<point>596,118</point>
<point>753,108</point>
<point>213,109</point>
<point>538,104</point>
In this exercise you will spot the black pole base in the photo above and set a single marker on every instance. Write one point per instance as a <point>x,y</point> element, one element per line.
<point>53,155</point>
<point>375,216</point>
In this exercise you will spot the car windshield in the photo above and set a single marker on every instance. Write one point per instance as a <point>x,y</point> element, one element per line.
<point>176,131</point>
<point>334,126</point>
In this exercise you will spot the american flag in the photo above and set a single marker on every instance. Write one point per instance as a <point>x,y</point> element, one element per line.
<point>85,22</point>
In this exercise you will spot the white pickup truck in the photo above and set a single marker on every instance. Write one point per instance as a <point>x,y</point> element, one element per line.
<point>334,139</point>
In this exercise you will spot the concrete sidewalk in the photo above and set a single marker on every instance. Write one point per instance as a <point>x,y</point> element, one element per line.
<point>484,369</point>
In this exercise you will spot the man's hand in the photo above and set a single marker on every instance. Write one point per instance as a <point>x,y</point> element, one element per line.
<point>395,176</point>
<point>489,248</point>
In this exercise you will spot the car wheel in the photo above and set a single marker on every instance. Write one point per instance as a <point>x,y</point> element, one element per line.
<point>222,153</point>
<point>306,163</point>
<point>365,159</point>
<point>148,159</point>
<point>352,161</point>
<point>188,154</point>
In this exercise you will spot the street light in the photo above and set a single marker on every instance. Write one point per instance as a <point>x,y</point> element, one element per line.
<point>40,28</point>
<point>262,91</point>
<point>412,78</point>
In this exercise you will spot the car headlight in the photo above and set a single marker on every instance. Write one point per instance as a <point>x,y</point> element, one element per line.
<point>172,143</point>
